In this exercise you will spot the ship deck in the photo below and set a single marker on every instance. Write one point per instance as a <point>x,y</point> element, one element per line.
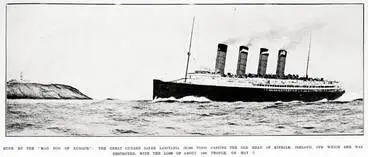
<point>262,83</point>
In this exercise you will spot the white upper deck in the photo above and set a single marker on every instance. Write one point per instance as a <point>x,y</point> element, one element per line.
<point>258,82</point>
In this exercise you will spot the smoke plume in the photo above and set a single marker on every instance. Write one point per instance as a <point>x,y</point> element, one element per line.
<point>286,37</point>
<point>295,37</point>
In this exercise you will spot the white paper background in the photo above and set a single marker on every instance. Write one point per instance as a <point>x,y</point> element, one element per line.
<point>170,141</point>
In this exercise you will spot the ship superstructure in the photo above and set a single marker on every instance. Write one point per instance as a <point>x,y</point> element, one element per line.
<point>249,87</point>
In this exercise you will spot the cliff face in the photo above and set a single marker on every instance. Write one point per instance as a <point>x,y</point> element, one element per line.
<point>16,90</point>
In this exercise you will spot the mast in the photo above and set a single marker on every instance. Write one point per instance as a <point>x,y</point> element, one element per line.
<point>190,46</point>
<point>310,40</point>
<point>21,76</point>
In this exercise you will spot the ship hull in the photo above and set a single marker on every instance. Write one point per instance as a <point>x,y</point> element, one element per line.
<point>163,89</point>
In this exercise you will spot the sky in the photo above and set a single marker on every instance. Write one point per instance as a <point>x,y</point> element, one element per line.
<point>116,51</point>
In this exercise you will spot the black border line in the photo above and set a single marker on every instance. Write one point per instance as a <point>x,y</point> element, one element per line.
<point>6,65</point>
<point>183,3</point>
<point>81,136</point>
<point>175,4</point>
<point>363,64</point>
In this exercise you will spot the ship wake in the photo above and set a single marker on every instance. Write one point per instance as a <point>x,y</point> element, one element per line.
<point>186,99</point>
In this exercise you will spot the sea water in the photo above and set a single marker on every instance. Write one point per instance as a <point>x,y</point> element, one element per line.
<point>189,116</point>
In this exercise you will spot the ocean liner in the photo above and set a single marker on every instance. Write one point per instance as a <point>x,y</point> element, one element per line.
<point>218,86</point>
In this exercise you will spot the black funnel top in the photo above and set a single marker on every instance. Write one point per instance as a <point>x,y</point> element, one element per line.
<point>222,47</point>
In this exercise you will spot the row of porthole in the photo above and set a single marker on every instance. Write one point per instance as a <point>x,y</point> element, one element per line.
<point>294,86</point>
<point>295,90</point>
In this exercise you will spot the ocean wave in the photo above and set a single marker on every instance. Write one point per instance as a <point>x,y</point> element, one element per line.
<point>323,100</point>
<point>129,118</point>
<point>160,113</point>
<point>59,129</point>
<point>347,97</point>
<point>19,126</point>
<point>122,131</point>
<point>197,133</point>
<point>186,99</point>
<point>213,114</point>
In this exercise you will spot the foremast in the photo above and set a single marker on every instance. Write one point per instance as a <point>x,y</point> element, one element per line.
<point>190,46</point>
